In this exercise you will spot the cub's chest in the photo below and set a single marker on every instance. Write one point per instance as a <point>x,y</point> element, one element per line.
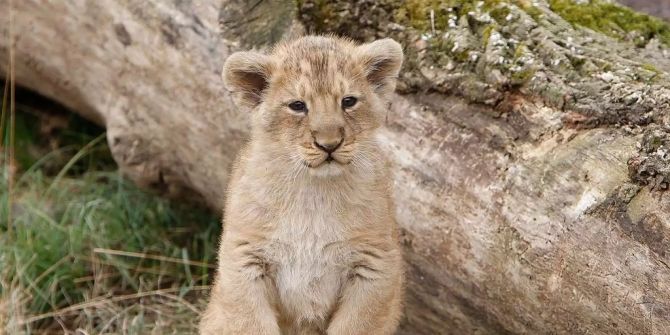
<point>309,258</point>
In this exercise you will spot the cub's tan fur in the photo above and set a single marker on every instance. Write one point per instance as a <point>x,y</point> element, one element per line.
<point>310,242</point>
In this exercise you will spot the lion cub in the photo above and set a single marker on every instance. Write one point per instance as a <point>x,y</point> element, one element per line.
<point>310,243</point>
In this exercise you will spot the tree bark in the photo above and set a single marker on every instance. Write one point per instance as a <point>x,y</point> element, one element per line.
<point>531,145</point>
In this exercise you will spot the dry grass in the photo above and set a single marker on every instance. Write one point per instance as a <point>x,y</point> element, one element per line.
<point>90,253</point>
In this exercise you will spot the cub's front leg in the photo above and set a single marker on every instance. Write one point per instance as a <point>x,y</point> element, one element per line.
<point>371,301</point>
<point>243,299</point>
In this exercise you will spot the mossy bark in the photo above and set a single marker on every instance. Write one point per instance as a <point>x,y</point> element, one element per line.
<point>531,151</point>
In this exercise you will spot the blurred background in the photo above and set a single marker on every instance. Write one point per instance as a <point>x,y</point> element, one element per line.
<point>653,7</point>
<point>117,137</point>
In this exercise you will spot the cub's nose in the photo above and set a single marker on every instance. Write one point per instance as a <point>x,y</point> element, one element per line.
<point>328,140</point>
<point>329,146</point>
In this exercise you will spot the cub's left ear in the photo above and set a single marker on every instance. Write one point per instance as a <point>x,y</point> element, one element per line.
<point>381,61</point>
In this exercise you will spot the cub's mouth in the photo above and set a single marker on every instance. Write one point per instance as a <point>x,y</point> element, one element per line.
<point>327,162</point>
<point>329,167</point>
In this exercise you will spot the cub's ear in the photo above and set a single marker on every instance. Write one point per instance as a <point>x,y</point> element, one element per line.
<point>381,61</point>
<point>247,75</point>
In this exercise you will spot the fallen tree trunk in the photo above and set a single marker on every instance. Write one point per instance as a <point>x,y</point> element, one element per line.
<point>530,139</point>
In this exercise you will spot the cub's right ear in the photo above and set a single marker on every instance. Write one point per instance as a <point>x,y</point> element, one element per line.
<point>247,74</point>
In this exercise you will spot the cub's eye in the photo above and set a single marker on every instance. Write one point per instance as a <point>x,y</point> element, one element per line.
<point>298,106</point>
<point>348,102</point>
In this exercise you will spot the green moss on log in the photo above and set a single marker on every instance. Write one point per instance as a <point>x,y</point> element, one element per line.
<point>612,20</point>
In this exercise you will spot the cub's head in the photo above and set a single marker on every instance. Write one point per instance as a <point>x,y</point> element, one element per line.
<point>316,102</point>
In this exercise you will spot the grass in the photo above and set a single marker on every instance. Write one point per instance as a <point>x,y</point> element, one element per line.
<point>87,252</point>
